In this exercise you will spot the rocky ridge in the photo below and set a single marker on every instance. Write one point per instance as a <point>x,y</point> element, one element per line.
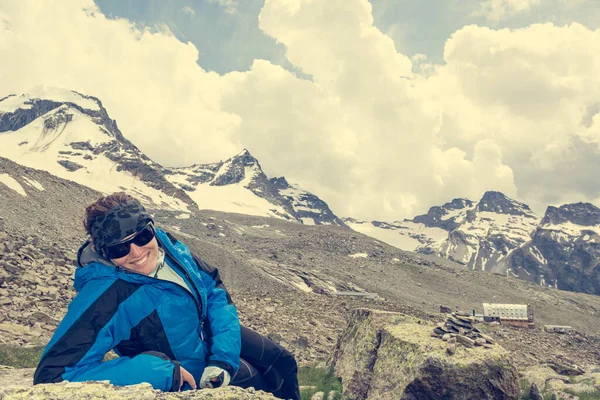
<point>475,234</point>
<point>503,236</point>
<point>564,251</point>
<point>77,133</point>
<point>289,202</point>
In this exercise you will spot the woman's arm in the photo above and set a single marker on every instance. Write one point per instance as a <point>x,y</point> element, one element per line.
<point>98,319</point>
<point>223,325</point>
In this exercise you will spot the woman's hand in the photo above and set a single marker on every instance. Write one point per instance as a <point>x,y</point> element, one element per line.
<point>186,377</point>
<point>214,377</point>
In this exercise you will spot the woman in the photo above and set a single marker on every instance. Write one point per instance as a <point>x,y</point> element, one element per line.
<point>165,312</point>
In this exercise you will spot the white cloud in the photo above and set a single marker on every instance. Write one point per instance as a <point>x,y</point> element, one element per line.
<point>189,10</point>
<point>532,91</point>
<point>495,10</point>
<point>230,6</point>
<point>510,110</point>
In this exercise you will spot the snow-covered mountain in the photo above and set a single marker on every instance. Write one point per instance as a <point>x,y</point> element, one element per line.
<point>476,234</point>
<point>72,136</point>
<point>239,184</point>
<point>563,252</point>
<point>498,234</point>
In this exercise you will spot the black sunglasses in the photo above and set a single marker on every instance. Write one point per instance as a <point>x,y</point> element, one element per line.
<point>141,238</point>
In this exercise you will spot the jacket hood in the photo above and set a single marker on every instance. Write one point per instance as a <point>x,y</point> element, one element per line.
<point>87,255</point>
<point>91,265</point>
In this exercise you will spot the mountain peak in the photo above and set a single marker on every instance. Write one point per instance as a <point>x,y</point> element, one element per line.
<point>243,153</point>
<point>498,202</point>
<point>442,216</point>
<point>43,93</point>
<point>584,214</point>
<point>243,157</point>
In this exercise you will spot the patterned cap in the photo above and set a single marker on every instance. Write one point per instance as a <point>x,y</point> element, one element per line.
<point>118,223</point>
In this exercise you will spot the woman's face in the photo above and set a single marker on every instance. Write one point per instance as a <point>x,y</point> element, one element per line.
<point>141,259</point>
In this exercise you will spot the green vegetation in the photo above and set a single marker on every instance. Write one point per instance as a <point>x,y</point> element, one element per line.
<point>20,357</point>
<point>525,387</point>
<point>595,395</point>
<point>318,380</point>
<point>28,357</point>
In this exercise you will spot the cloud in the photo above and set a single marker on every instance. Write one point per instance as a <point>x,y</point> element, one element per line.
<point>230,6</point>
<point>189,11</point>
<point>370,133</point>
<point>496,10</point>
<point>534,91</point>
<point>147,79</point>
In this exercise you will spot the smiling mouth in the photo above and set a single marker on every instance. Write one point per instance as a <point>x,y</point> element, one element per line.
<point>142,260</point>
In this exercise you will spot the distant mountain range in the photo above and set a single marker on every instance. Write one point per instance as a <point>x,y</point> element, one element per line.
<point>72,136</point>
<point>501,235</point>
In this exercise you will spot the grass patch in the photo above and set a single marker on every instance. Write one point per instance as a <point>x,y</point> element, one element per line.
<point>322,379</point>
<point>595,395</point>
<point>20,357</point>
<point>525,386</point>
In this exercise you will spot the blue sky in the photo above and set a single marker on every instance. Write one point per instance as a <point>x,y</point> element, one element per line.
<point>229,39</point>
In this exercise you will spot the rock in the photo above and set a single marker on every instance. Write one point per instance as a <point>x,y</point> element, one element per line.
<point>104,390</point>
<point>565,368</point>
<point>489,339</point>
<point>451,347</point>
<point>385,355</point>
<point>465,341</point>
<point>445,310</point>
<point>13,328</point>
<point>318,396</point>
<point>534,393</point>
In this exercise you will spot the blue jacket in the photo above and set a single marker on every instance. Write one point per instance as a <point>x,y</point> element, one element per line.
<point>152,324</point>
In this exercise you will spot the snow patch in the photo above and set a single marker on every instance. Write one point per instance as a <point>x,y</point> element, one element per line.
<point>358,255</point>
<point>12,183</point>
<point>33,183</point>
<point>302,286</point>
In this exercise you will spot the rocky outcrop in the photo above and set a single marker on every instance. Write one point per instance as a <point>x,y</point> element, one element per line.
<point>383,355</point>
<point>17,384</point>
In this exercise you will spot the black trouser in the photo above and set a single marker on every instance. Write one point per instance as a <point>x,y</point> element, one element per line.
<point>265,365</point>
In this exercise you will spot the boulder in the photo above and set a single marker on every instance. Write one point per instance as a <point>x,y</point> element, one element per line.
<point>385,355</point>
<point>17,384</point>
